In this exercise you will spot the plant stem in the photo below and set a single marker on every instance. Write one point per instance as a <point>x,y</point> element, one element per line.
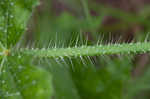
<point>89,50</point>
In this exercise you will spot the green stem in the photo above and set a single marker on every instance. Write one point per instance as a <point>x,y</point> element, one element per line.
<point>89,50</point>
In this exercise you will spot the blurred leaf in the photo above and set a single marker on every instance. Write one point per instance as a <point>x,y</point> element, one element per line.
<point>139,84</point>
<point>63,85</point>
<point>107,82</point>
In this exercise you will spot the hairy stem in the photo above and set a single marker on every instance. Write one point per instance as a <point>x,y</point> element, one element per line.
<point>89,50</point>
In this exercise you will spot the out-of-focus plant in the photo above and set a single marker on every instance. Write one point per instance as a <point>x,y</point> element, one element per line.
<point>72,75</point>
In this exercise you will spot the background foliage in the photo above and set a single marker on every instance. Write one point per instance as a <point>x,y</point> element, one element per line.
<point>70,23</point>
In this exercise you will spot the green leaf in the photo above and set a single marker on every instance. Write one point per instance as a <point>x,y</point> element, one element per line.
<point>14,15</point>
<point>21,79</point>
<point>8,88</point>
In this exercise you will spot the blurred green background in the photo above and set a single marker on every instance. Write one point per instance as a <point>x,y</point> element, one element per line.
<point>64,23</point>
